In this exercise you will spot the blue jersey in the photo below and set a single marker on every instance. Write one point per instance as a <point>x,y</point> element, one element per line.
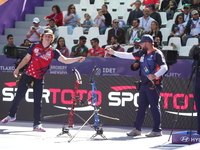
<point>150,63</point>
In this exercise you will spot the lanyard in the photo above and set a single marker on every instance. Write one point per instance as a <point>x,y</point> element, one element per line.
<point>143,21</point>
<point>194,25</point>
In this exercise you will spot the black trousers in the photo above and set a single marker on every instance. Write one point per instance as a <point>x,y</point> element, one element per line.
<point>37,94</point>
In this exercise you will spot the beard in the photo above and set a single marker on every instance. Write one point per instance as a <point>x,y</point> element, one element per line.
<point>145,49</point>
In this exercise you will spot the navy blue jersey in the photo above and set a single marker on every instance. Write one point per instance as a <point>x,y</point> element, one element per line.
<point>149,63</point>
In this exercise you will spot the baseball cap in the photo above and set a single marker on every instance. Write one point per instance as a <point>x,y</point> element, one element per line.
<point>151,6</point>
<point>136,40</point>
<point>48,31</point>
<point>194,12</point>
<point>186,5</point>
<point>146,38</point>
<point>36,20</point>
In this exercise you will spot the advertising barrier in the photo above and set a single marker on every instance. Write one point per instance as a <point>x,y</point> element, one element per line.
<point>117,94</point>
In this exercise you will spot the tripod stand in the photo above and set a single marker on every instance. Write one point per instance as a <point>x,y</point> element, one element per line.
<point>194,73</point>
<point>93,101</point>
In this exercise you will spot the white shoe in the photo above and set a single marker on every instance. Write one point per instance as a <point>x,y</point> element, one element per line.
<point>134,132</point>
<point>154,134</point>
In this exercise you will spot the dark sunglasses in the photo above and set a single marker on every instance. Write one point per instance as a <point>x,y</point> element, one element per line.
<point>116,22</point>
<point>186,8</point>
<point>72,8</point>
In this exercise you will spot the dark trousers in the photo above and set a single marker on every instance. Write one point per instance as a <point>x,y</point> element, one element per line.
<point>197,101</point>
<point>148,97</point>
<point>37,94</point>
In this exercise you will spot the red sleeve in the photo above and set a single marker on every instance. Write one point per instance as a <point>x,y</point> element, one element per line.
<point>50,16</point>
<point>102,52</point>
<point>59,19</point>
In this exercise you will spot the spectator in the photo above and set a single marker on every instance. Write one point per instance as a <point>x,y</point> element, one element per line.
<point>157,42</point>
<point>62,47</point>
<point>115,46</point>
<point>155,15</point>
<point>71,19</point>
<point>96,50</point>
<point>26,43</point>
<point>156,3</point>
<point>53,27</point>
<point>57,16</point>
<point>137,13</point>
<point>155,32</point>
<point>87,23</point>
<point>178,27</point>
<point>80,49</point>
<point>192,29</point>
<point>164,5</point>
<point>99,20</point>
<point>116,31</point>
<point>108,18</point>
<point>171,9</point>
<point>136,46</point>
<point>186,12</point>
<point>35,31</point>
<point>145,21</point>
<point>195,5</point>
<point>134,32</point>
<point>10,40</point>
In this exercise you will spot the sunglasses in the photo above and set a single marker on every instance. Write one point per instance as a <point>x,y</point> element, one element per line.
<point>84,41</point>
<point>116,22</point>
<point>72,8</point>
<point>185,8</point>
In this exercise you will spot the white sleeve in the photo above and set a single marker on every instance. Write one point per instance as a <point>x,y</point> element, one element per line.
<point>161,71</point>
<point>124,55</point>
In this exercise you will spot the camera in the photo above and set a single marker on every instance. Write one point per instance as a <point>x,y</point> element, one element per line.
<point>16,52</point>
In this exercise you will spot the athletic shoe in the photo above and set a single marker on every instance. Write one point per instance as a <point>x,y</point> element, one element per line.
<point>8,119</point>
<point>39,128</point>
<point>134,132</point>
<point>154,134</point>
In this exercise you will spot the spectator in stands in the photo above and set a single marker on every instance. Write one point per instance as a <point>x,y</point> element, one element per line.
<point>134,32</point>
<point>155,32</point>
<point>10,40</point>
<point>96,50</point>
<point>80,49</point>
<point>164,5</point>
<point>116,31</point>
<point>87,23</point>
<point>35,31</point>
<point>100,20</point>
<point>195,5</point>
<point>145,21</point>
<point>115,46</point>
<point>136,46</point>
<point>26,43</point>
<point>137,13</point>
<point>62,47</point>
<point>71,19</point>
<point>57,16</point>
<point>186,12</point>
<point>156,3</point>
<point>157,42</point>
<point>155,15</point>
<point>108,18</point>
<point>178,27</point>
<point>171,9</point>
<point>54,28</point>
<point>192,29</point>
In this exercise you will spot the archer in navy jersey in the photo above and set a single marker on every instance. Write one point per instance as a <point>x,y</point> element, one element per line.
<point>153,66</point>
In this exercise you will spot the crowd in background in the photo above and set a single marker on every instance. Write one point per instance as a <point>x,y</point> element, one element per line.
<point>143,19</point>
